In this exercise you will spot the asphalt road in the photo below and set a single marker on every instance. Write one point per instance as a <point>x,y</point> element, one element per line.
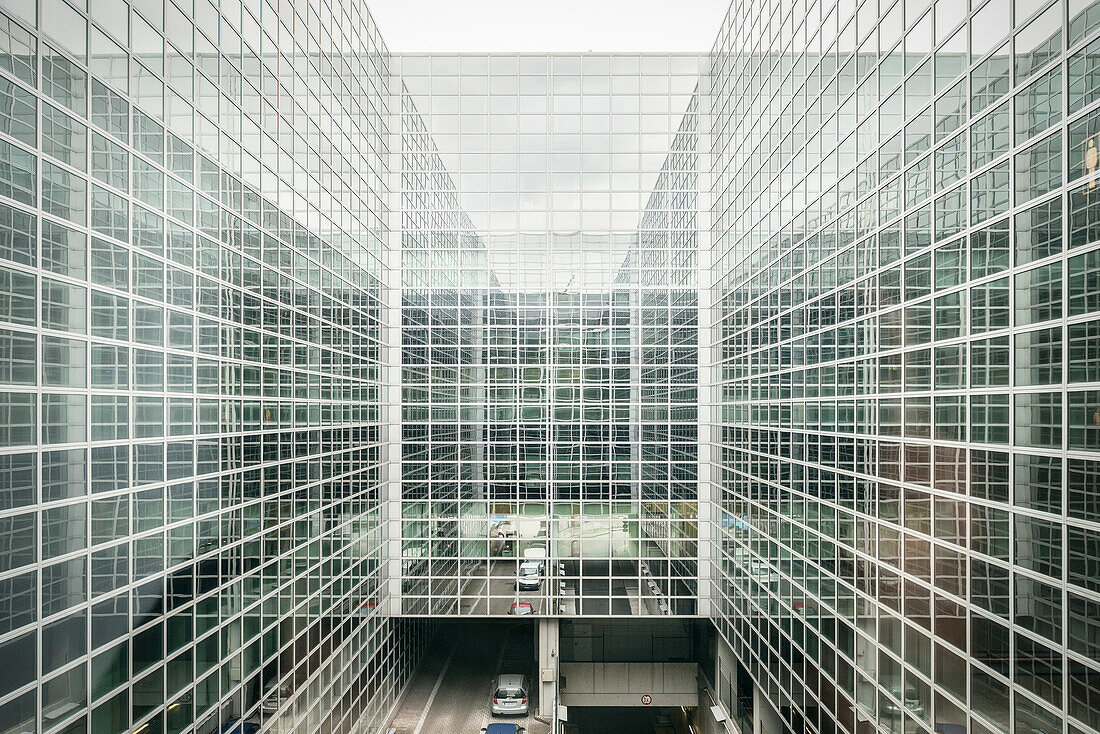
<point>594,588</point>
<point>450,693</point>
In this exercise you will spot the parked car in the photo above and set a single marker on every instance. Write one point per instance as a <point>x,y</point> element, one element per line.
<point>911,701</point>
<point>509,695</point>
<point>502,539</point>
<point>502,729</point>
<point>536,555</point>
<point>274,696</point>
<point>521,608</point>
<point>239,727</point>
<point>759,570</point>
<point>805,607</point>
<point>529,577</point>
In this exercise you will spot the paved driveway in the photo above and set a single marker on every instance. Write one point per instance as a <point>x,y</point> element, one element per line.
<point>450,693</point>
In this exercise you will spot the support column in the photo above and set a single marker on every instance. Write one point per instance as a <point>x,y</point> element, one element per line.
<point>547,641</point>
<point>390,397</point>
<point>767,719</point>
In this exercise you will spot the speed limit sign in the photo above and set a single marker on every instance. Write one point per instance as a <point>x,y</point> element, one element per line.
<point>646,699</point>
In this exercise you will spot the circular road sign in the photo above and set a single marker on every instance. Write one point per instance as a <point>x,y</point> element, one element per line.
<point>646,699</point>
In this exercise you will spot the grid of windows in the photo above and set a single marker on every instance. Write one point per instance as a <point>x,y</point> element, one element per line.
<point>195,237</point>
<point>192,222</point>
<point>549,378</point>
<point>904,269</point>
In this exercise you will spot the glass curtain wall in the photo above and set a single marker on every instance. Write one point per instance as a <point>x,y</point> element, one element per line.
<point>192,227</point>
<point>904,270</point>
<point>549,335</point>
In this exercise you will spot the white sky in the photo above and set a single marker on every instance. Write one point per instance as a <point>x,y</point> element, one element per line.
<point>548,25</point>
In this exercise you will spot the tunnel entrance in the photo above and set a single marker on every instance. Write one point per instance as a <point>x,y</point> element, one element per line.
<point>633,676</point>
<point>453,688</point>
<point>628,720</point>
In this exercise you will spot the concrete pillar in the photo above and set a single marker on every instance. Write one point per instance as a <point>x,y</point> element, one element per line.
<point>546,639</point>
<point>391,555</point>
<point>767,719</point>
<point>709,356</point>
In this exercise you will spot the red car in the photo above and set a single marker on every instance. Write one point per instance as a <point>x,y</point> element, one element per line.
<point>521,608</point>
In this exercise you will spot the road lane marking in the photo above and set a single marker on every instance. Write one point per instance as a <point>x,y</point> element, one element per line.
<point>435,690</point>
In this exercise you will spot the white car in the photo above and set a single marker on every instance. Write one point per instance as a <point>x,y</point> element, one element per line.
<point>510,695</point>
<point>529,577</point>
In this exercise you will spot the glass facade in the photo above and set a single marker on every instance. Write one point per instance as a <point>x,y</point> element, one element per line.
<point>903,265</point>
<point>193,224</point>
<point>549,334</point>
<point>303,343</point>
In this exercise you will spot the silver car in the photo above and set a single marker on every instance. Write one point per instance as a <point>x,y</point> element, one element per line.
<point>510,695</point>
<point>912,701</point>
<point>274,697</point>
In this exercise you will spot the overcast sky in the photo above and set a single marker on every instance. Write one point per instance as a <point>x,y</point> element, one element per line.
<point>548,25</point>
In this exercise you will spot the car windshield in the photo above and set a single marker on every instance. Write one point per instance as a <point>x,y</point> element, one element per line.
<point>509,693</point>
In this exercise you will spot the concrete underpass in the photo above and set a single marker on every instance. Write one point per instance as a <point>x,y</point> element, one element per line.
<point>594,677</point>
<point>626,720</point>
<point>451,690</point>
